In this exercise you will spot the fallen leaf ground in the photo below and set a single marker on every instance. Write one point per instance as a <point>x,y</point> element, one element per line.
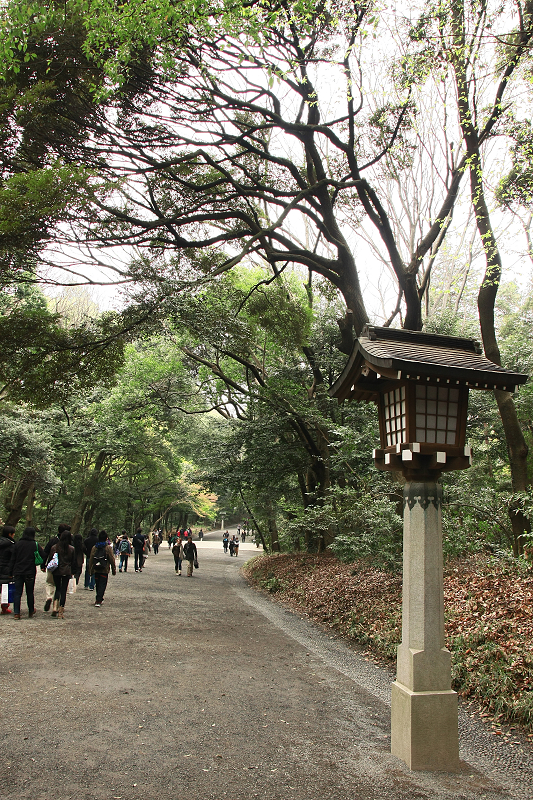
<point>488,619</point>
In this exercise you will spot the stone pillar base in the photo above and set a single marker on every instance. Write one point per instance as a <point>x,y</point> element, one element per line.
<point>424,729</point>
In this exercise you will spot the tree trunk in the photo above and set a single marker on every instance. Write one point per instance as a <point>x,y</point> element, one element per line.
<point>272,526</point>
<point>88,518</point>
<point>257,527</point>
<point>88,492</point>
<point>518,451</point>
<point>14,503</point>
<point>30,503</point>
<point>516,443</point>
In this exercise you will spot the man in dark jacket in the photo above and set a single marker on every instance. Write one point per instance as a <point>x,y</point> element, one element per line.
<point>7,543</point>
<point>138,549</point>
<point>101,560</point>
<point>189,551</point>
<point>22,567</point>
<point>88,545</point>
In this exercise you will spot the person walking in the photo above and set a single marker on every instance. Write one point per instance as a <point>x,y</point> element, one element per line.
<point>146,550</point>
<point>156,542</point>
<point>124,549</point>
<point>101,561</point>
<point>22,568</point>
<point>77,543</point>
<point>138,548</point>
<point>177,552</point>
<point>190,553</point>
<point>88,545</point>
<point>225,542</point>
<point>7,543</point>
<point>66,567</point>
<point>49,585</point>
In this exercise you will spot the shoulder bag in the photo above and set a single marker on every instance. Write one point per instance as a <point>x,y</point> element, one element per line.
<point>38,557</point>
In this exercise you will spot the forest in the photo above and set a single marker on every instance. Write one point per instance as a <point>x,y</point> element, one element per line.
<point>202,202</point>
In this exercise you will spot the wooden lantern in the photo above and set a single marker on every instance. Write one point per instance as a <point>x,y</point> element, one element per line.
<point>420,382</point>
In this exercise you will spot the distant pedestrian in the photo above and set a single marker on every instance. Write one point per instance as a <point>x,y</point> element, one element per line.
<point>225,542</point>
<point>22,568</point>
<point>232,545</point>
<point>190,553</point>
<point>236,546</point>
<point>201,534</point>
<point>102,560</point>
<point>177,552</point>
<point>146,549</point>
<point>138,548</point>
<point>156,542</point>
<point>125,551</point>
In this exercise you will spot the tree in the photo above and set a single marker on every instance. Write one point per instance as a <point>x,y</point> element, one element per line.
<point>26,447</point>
<point>242,162</point>
<point>463,32</point>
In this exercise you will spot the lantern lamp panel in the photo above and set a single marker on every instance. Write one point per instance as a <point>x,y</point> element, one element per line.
<point>395,416</point>
<point>437,411</point>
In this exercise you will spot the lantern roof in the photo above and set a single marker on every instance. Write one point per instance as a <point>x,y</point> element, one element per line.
<point>383,354</point>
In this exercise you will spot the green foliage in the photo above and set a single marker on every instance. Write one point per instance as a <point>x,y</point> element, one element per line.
<point>31,202</point>
<point>479,663</point>
<point>41,362</point>
<point>271,584</point>
<point>144,444</point>
<point>117,33</point>
<point>26,448</point>
<point>516,188</point>
<point>370,526</point>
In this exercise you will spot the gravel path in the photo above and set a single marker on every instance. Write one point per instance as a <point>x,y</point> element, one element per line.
<point>203,689</point>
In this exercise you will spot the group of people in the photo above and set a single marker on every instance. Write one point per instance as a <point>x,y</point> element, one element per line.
<point>230,543</point>
<point>61,559</point>
<point>184,549</point>
<point>139,547</point>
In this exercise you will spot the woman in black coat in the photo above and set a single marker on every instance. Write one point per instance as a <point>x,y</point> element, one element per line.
<point>22,567</point>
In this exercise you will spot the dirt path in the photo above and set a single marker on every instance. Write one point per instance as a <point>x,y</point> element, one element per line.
<point>201,689</point>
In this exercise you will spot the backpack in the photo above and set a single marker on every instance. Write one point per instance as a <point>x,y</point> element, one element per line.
<point>100,560</point>
<point>124,546</point>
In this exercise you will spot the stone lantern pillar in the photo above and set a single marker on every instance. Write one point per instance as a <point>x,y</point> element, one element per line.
<point>423,705</point>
